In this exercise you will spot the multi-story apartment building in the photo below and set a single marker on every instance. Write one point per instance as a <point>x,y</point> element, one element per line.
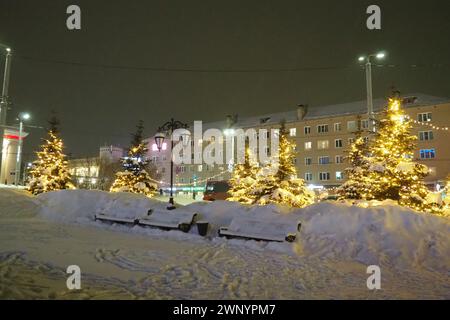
<point>322,136</point>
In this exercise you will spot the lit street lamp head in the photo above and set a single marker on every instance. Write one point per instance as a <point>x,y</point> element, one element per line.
<point>380,55</point>
<point>361,59</point>
<point>24,116</point>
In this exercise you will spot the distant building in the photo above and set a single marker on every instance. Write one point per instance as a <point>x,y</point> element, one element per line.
<point>322,135</point>
<point>96,172</point>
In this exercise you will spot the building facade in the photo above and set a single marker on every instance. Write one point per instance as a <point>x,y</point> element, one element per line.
<point>322,135</point>
<point>96,172</point>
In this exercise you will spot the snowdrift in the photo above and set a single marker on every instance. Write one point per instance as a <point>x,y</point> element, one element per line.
<point>385,234</point>
<point>17,203</point>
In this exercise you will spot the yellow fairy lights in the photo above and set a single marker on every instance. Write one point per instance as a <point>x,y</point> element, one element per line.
<point>385,169</point>
<point>428,124</point>
<point>49,172</point>
<point>270,184</point>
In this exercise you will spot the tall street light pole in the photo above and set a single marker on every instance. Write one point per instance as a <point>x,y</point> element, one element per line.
<point>169,127</point>
<point>368,63</point>
<point>23,116</point>
<point>4,101</point>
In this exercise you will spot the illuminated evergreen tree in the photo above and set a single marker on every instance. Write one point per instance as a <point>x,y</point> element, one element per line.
<point>393,174</point>
<point>135,177</point>
<point>49,172</point>
<point>278,182</point>
<point>243,181</point>
<point>357,184</point>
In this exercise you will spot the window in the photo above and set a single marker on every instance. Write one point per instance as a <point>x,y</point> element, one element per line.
<point>155,158</point>
<point>322,144</point>
<point>425,135</point>
<point>324,160</point>
<point>163,170</point>
<point>293,132</point>
<point>200,168</point>
<point>351,140</point>
<point>294,161</point>
<point>337,127</point>
<point>308,145</point>
<point>427,153</point>
<point>322,128</point>
<point>324,176</point>
<point>308,176</point>
<point>351,125</point>
<point>338,143</point>
<point>366,139</point>
<point>339,159</point>
<point>182,169</point>
<point>307,130</point>
<point>339,175</point>
<point>424,117</point>
<point>308,161</point>
<point>365,124</point>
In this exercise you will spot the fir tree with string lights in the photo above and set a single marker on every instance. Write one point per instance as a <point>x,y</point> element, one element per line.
<point>278,182</point>
<point>393,174</point>
<point>49,172</point>
<point>357,184</point>
<point>243,181</point>
<point>135,177</point>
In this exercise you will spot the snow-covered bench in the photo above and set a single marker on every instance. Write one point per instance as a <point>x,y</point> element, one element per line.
<point>168,220</point>
<point>247,228</point>
<point>106,218</point>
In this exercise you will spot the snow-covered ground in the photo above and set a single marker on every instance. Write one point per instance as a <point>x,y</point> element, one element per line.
<point>41,236</point>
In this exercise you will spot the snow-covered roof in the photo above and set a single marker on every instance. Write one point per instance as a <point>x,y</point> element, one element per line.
<point>317,112</point>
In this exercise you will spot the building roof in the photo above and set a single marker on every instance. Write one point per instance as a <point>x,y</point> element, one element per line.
<point>317,112</point>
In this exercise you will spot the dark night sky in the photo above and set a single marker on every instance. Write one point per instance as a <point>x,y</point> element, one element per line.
<point>99,104</point>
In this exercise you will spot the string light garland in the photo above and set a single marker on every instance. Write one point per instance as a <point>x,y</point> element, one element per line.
<point>428,124</point>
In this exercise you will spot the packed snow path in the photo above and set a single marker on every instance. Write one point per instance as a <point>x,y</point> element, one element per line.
<point>35,252</point>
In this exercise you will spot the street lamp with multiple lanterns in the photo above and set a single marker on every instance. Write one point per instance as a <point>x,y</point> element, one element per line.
<point>167,129</point>
<point>368,64</point>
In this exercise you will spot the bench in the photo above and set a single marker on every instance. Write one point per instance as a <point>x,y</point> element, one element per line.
<point>105,218</point>
<point>253,229</point>
<point>168,220</point>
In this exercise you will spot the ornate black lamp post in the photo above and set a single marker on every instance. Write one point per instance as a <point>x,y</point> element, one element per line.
<point>168,128</point>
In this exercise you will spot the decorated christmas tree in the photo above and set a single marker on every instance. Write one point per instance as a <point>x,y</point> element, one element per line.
<point>243,181</point>
<point>135,177</point>
<point>278,182</point>
<point>49,172</point>
<point>392,173</point>
<point>357,184</point>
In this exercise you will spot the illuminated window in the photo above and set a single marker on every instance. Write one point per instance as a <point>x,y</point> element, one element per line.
<point>200,168</point>
<point>323,144</point>
<point>339,175</point>
<point>154,147</point>
<point>324,160</point>
<point>293,132</point>
<point>308,145</point>
<point>427,153</point>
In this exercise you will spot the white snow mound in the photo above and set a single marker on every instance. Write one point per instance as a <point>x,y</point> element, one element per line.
<point>384,234</point>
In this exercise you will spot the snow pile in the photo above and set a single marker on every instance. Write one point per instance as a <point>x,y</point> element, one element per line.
<point>15,202</point>
<point>386,234</point>
<point>382,234</point>
<point>82,205</point>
